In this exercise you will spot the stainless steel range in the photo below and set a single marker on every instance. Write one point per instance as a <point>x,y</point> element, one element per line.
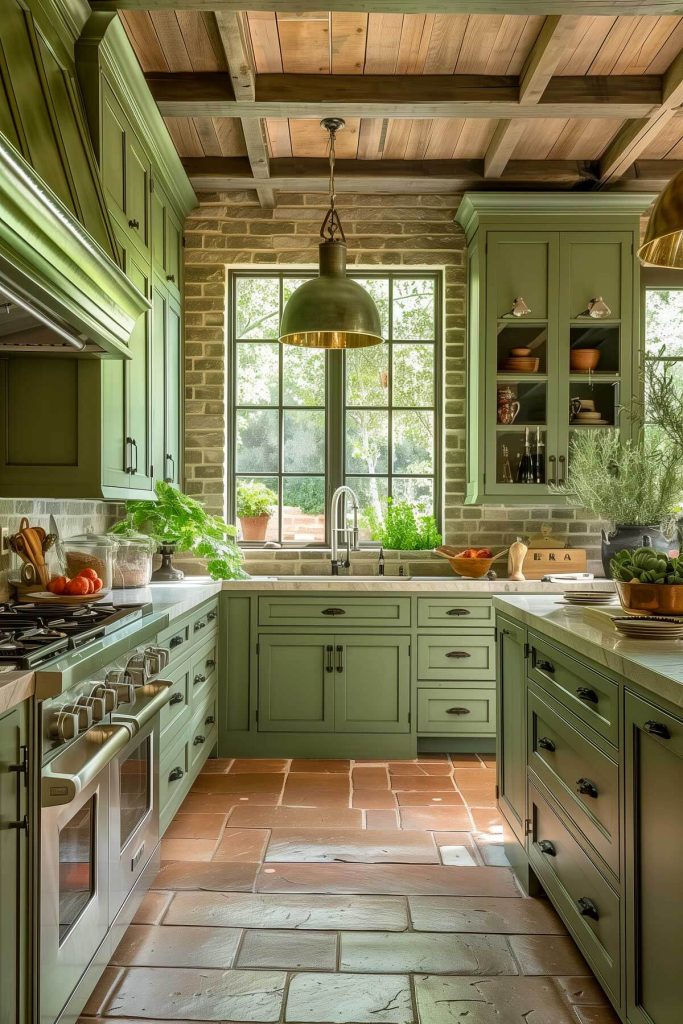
<point>99,687</point>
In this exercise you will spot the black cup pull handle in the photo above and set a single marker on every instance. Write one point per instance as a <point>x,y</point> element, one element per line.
<point>175,774</point>
<point>210,720</point>
<point>585,693</point>
<point>210,663</point>
<point>176,641</point>
<point>198,740</point>
<point>199,679</point>
<point>657,729</point>
<point>458,611</point>
<point>546,744</point>
<point>587,788</point>
<point>587,908</point>
<point>545,666</point>
<point>333,611</point>
<point>212,615</point>
<point>176,698</point>
<point>458,654</point>
<point>457,711</point>
<point>329,651</point>
<point>545,846</point>
<point>133,223</point>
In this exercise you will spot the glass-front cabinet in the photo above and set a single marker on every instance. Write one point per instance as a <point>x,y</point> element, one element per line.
<point>553,334</point>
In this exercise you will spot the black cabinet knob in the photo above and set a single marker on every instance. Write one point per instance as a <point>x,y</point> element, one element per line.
<point>209,720</point>
<point>212,615</point>
<point>176,698</point>
<point>199,679</point>
<point>545,666</point>
<point>587,908</point>
<point>175,641</point>
<point>133,223</point>
<point>585,693</point>
<point>198,740</point>
<point>175,774</point>
<point>210,663</point>
<point>587,788</point>
<point>545,846</point>
<point>657,729</point>
<point>546,744</point>
<point>170,277</point>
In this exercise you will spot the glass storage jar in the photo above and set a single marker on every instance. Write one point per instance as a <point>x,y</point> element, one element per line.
<point>90,551</point>
<point>133,560</point>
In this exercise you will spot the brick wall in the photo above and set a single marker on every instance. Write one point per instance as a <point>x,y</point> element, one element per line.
<point>232,230</point>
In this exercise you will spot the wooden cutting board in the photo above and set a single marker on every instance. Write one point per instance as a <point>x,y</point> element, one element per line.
<point>538,562</point>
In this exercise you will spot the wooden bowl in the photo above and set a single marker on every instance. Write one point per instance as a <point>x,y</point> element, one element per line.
<point>655,598</point>
<point>469,568</point>
<point>583,360</point>
<point>520,364</point>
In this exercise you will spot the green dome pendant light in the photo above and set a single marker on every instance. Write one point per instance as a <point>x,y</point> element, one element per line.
<point>331,311</point>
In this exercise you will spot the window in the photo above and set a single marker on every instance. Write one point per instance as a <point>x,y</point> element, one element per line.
<point>305,421</point>
<point>664,332</point>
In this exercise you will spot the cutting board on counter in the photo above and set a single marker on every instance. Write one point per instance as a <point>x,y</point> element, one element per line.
<point>538,562</point>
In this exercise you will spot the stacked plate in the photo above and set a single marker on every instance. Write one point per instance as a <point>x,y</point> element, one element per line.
<point>649,627</point>
<point>590,597</point>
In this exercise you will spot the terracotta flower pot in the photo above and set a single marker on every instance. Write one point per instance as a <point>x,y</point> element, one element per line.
<point>583,360</point>
<point>254,527</point>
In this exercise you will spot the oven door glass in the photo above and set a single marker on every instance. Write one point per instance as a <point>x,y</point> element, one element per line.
<point>77,851</point>
<point>135,788</point>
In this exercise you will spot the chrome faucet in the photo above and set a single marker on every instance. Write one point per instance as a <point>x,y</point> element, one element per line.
<point>349,533</point>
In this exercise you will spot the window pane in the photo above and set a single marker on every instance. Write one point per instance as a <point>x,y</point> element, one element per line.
<point>378,288</point>
<point>419,492</point>
<point>257,313</point>
<point>367,375</point>
<point>303,509</point>
<point>304,442</point>
<point>372,497</point>
<point>367,447</point>
<point>414,309</point>
<point>250,487</point>
<point>303,376</point>
<point>413,382</point>
<point>664,322</point>
<point>256,441</point>
<point>289,286</point>
<point>257,374</point>
<point>413,442</point>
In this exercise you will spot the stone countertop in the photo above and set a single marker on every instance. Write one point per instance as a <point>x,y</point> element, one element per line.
<point>170,599</point>
<point>405,585</point>
<point>655,665</point>
<point>15,686</point>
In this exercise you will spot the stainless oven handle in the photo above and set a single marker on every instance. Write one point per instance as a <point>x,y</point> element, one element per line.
<point>59,788</point>
<point>149,701</point>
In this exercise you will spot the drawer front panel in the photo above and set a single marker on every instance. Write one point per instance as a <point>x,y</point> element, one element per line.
<point>458,612</point>
<point>334,612</point>
<point>460,712</point>
<point>173,779</point>
<point>468,658</point>
<point>177,639</point>
<point>583,779</point>
<point>591,696</point>
<point>203,673</point>
<point>178,707</point>
<point>204,731</point>
<point>204,621</point>
<point>578,890</point>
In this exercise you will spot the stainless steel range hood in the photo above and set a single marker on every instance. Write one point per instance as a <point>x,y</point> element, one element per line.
<point>22,330</point>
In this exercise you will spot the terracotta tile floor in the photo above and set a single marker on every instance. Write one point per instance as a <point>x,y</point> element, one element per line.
<point>337,892</point>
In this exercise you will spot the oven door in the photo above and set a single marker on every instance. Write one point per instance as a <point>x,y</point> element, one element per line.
<point>133,812</point>
<point>74,883</point>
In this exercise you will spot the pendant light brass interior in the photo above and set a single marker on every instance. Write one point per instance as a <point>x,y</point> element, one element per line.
<point>663,245</point>
<point>331,311</point>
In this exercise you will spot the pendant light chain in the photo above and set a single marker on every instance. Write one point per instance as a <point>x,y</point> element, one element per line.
<point>332,224</point>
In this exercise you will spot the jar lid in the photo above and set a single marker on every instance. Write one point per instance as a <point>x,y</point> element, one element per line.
<point>90,540</point>
<point>137,540</point>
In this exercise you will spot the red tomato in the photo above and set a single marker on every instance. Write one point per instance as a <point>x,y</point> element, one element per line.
<point>97,584</point>
<point>484,553</point>
<point>57,585</point>
<point>89,574</point>
<point>77,586</point>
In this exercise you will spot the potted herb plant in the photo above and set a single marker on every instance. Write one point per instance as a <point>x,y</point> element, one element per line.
<point>254,507</point>
<point>405,527</point>
<point>179,523</point>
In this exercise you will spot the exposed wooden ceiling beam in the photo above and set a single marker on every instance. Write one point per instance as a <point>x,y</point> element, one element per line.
<point>635,137</point>
<point>234,38</point>
<point>535,78</point>
<point>609,7</point>
<point>211,94</point>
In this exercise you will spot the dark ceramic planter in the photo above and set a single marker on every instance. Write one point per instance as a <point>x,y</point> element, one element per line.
<point>167,573</point>
<point>622,537</point>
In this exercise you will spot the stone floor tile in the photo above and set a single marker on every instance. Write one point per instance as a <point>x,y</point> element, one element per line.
<point>465,760</point>
<point>439,819</point>
<point>381,819</point>
<point>488,759</point>
<point>227,876</point>
<point>195,826</point>
<point>341,846</point>
<point>459,854</point>
<point>103,991</point>
<point>442,1000</point>
<point>487,820</point>
<point>369,778</point>
<point>239,844</point>
<point>295,817</point>
<point>208,995</point>
<point>342,999</point>
<point>548,954</point>
<point>258,910</point>
<point>583,991</point>
<point>187,849</point>
<point>216,766</point>
<point>493,855</point>
<point>405,768</point>
<point>373,799</point>
<point>425,953</point>
<point>312,764</point>
<point>479,793</point>
<point>289,950</point>
<point>436,767</point>
<point>169,946</point>
<point>422,783</point>
<point>222,803</point>
<point>405,879</point>
<point>248,765</point>
<point>429,799</point>
<point>241,782</point>
<point>484,915</point>
<point>596,1015</point>
<point>308,790</point>
<point>152,907</point>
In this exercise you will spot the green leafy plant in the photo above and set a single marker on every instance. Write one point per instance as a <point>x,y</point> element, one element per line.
<point>404,527</point>
<point>645,565</point>
<point>254,499</point>
<point>629,483</point>
<point>175,518</point>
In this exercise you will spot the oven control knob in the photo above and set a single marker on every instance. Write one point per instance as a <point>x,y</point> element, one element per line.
<point>108,695</point>
<point>159,658</point>
<point>62,726</point>
<point>97,705</point>
<point>125,693</point>
<point>83,713</point>
<point>138,669</point>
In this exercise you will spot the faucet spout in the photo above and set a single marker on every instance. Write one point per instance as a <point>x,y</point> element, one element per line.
<point>349,534</point>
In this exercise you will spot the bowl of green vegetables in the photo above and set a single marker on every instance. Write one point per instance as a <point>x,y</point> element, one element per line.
<point>649,581</point>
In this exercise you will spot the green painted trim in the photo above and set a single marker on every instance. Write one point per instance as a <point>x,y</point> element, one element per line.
<point>474,206</point>
<point>61,20</point>
<point>104,34</point>
<point>50,260</point>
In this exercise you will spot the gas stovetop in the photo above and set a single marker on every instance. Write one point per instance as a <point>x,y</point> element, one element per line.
<point>33,634</point>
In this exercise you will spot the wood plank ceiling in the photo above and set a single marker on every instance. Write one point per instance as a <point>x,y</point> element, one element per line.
<point>611,84</point>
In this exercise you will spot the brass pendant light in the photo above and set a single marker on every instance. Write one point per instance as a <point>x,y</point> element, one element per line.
<point>663,245</point>
<point>331,311</point>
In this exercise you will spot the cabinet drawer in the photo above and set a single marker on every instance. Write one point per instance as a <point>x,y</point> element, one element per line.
<point>178,707</point>
<point>204,731</point>
<point>570,878</point>
<point>177,638</point>
<point>455,613</point>
<point>173,778</point>
<point>465,712</point>
<point>591,696</point>
<point>457,657</point>
<point>583,779</point>
<point>204,621</point>
<point>334,612</point>
<point>203,672</point>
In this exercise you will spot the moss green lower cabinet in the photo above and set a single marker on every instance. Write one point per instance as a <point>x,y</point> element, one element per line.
<point>511,721</point>
<point>654,840</point>
<point>14,862</point>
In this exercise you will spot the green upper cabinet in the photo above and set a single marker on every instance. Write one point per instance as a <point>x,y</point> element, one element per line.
<point>549,277</point>
<point>166,240</point>
<point>126,170</point>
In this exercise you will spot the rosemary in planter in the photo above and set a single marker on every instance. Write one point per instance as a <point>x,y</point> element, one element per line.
<point>404,527</point>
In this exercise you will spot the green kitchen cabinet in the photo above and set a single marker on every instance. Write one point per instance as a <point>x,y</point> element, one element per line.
<point>372,684</point>
<point>166,382</point>
<point>296,683</point>
<point>511,724</point>
<point>126,170</point>
<point>552,275</point>
<point>14,858</point>
<point>654,839</point>
<point>166,240</point>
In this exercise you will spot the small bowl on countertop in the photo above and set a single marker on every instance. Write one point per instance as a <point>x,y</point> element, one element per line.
<point>654,598</point>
